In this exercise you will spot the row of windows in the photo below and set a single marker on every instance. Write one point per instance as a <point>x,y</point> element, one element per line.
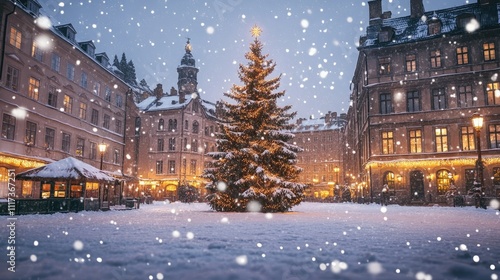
<point>172,126</point>
<point>324,138</point>
<point>49,139</point>
<point>436,60</point>
<point>441,144</point>
<point>172,167</point>
<point>444,180</point>
<point>439,100</point>
<point>52,99</point>
<point>55,64</point>
<point>193,146</point>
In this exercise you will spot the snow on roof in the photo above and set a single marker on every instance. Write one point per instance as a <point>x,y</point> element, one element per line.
<point>66,169</point>
<point>318,125</point>
<point>165,103</point>
<point>407,29</point>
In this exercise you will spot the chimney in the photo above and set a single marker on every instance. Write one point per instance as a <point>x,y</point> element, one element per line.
<point>386,15</point>
<point>375,7</point>
<point>328,117</point>
<point>173,91</point>
<point>158,92</point>
<point>416,8</point>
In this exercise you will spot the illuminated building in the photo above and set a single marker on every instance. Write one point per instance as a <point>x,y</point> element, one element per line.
<point>321,158</point>
<point>177,130</point>
<point>418,81</point>
<point>58,98</point>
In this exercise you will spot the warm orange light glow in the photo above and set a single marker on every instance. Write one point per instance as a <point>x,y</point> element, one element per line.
<point>102,147</point>
<point>477,121</point>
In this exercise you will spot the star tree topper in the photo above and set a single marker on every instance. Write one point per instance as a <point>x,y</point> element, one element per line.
<point>255,31</point>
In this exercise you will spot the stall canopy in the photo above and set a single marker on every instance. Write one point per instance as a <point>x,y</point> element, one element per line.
<point>66,169</point>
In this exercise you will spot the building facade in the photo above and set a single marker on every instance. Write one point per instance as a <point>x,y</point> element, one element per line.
<point>58,98</point>
<point>418,81</point>
<point>321,158</point>
<point>177,130</point>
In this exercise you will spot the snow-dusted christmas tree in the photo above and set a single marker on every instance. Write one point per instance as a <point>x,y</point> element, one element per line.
<point>254,168</point>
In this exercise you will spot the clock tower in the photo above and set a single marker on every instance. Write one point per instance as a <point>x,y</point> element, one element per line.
<point>188,81</point>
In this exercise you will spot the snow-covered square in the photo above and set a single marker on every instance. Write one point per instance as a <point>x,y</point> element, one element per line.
<point>313,241</point>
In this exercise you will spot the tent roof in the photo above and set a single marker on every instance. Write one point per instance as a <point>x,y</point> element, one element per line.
<point>66,169</point>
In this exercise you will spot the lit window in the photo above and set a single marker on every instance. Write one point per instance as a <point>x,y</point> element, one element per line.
<point>415,141</point>
<point>384,65</point>
<point>462,55</point>
<point>489,51</point>
<point>33,88</point>
<point>68,104</point>
<point>493,93</point>
<point>387,142</point>
<point>468,139</point>
<point>436,59</point>
<point>411,63</point>
<point>15,37</point>
<point>441,140</point>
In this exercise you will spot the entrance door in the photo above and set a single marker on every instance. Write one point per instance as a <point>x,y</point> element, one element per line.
<point>417,186</point>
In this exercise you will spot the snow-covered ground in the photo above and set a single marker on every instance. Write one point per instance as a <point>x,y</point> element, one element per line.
<point>314,241</point>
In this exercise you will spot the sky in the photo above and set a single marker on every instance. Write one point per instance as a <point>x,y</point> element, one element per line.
<point>313,241</point>
<point>313,42</point>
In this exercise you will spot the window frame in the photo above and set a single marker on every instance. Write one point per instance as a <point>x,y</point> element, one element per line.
<point>441,141</point>
<point>415,101</point>
<point>415,137</point>
<point>411,63</point>
<point>466,96</point>
<point>387,142</point>
<point>385,103</point>
<point>16,37</point>
<point>439,100</point>
<point>462,55</point>
<point>489,51</point>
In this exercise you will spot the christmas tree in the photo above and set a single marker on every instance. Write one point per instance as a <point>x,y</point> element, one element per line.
<point>254,168</point>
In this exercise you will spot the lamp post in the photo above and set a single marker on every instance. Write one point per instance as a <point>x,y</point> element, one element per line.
<point>336,169</point>
<point>102,150</point>
<point>477,122</point>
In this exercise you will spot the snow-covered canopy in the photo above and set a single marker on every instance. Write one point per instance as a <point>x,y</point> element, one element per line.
<point>66,169</point>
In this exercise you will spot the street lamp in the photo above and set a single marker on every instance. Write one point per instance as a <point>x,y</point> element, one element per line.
<point>102,150</point>
<point>477,122</point>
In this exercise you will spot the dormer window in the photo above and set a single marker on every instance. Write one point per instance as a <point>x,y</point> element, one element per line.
<point>31,6</point>
<point>464,19</point>
<point>88,47</point>
<point>67,31</point>
<point>385,34</point>
<point>434,25</point>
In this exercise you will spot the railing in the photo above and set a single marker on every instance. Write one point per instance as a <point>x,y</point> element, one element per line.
<point>44,206</point>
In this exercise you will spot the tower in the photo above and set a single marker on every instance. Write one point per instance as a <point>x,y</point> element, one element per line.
<point>187,82</point>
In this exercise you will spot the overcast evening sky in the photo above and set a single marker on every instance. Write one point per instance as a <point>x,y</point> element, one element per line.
<point>313,42</point>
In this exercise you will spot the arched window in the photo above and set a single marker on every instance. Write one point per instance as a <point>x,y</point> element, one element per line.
<point>172,124</point>
<point>443,181</point>
<point>161,124</point>
<point>186,125</point>
<point>389,179</point>
<point>196,127</point>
